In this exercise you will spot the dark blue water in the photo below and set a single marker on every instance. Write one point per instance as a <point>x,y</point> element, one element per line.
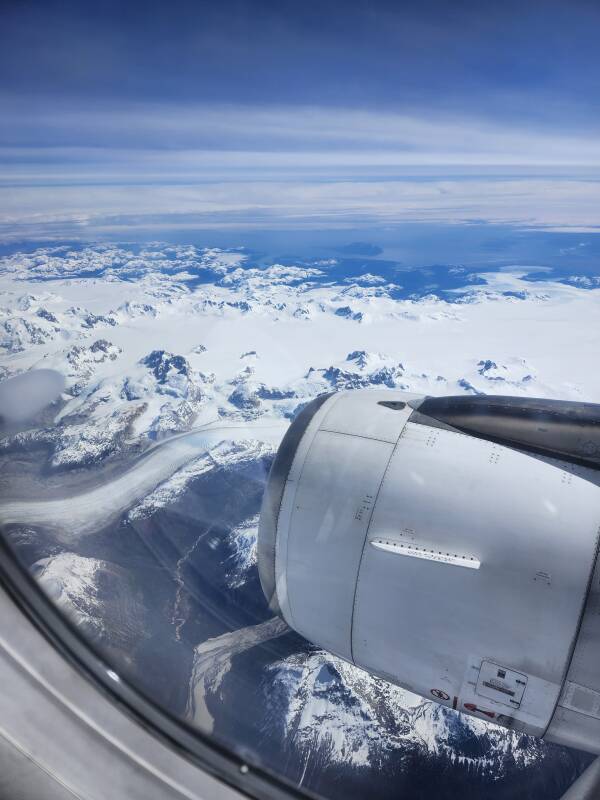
<point>420,258</point>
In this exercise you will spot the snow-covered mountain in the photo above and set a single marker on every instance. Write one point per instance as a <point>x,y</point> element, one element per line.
<point>161,340</point>
<point>158,340</point>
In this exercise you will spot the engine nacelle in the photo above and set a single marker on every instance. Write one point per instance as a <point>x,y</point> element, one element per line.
<point>449,546</point>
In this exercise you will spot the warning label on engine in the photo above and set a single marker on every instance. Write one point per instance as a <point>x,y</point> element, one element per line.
<point>501,684</point>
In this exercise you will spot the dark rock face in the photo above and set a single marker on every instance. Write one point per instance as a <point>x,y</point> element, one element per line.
<point>359,356</point>
<point>241,305</point>
<point>347,313</point>
<point>47,315</point>
<point>90,320</point>
<point>468,386</point>
<point>130,391</point>
<point>385,376</point>
<point>244,398</point>
<point>486,365</point>
<point>100,346</point>
<point>17,334</point>
<point>161,363</point>
<point>273,393</point>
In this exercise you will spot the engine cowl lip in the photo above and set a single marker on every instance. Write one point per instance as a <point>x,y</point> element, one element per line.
<point>273,496</point>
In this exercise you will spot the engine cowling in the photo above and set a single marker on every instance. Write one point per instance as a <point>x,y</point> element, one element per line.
<point>448,545</point>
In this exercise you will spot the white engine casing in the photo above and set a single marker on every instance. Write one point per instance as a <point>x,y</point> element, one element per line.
<point>460,568</point>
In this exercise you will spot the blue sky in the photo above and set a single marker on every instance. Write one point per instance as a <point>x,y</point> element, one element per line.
<point>298,114</point>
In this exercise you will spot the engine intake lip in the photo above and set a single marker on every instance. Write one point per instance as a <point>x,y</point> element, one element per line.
<point>271,503</point>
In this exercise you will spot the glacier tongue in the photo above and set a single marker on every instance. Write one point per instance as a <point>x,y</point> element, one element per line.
<point>212,661</point>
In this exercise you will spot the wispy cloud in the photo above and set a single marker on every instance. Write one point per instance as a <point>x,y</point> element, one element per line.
<point>90,170</point>
<point>170,133</point>
<point>90,210</point>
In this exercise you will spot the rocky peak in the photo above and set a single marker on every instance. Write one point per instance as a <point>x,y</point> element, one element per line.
<point>162,363</point>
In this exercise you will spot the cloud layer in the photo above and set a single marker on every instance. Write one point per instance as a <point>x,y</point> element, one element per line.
<point>202,167</point>
<point>317,113</point>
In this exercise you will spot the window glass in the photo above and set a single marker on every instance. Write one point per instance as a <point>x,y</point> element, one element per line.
<point>132,491</point>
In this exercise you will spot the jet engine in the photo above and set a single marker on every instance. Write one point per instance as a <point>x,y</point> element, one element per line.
<point>448,545</point>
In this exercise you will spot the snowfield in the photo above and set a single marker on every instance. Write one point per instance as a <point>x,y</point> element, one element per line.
<point>205,309</point>
<point>167,339</point>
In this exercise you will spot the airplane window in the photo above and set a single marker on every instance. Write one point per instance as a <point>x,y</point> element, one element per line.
<point>299,412</point>
<point>132,491</point>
